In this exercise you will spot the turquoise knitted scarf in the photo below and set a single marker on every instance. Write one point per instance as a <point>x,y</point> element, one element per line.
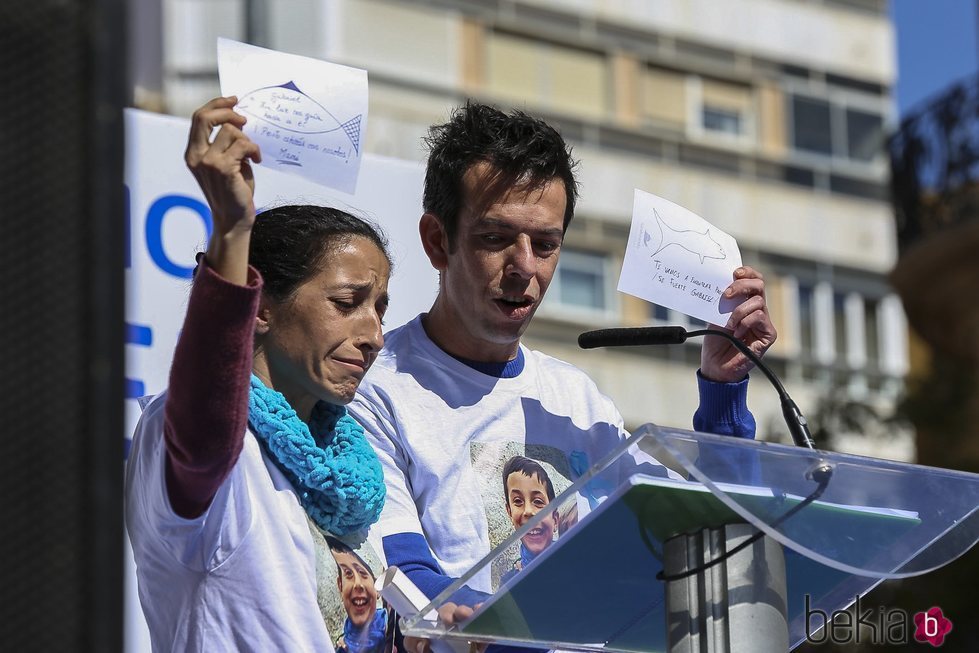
<point>331,466</point>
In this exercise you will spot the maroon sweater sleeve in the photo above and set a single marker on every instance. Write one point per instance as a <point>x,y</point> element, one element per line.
<point>206,409</point>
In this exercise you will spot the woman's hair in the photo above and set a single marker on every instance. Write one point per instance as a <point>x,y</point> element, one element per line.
<point>289,242</point>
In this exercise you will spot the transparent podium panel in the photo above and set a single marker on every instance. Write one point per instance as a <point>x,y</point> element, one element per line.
<point>590,582</point>
<point>865,516</point>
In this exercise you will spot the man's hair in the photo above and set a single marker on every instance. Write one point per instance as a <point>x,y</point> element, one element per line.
<point>527,467</point>
<point>525,153</point>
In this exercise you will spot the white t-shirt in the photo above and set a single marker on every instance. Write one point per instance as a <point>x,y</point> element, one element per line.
<point>444,431</point>
<point>242,576</point>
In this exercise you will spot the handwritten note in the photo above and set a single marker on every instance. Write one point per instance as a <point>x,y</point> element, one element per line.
<point>677,259</point>
<point>307,116</point>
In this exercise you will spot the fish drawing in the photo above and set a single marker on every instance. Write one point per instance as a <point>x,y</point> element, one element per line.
<point>286,107</point>
<point>699,243</point>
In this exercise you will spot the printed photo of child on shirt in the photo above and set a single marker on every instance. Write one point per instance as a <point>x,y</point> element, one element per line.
<point>525,481</point>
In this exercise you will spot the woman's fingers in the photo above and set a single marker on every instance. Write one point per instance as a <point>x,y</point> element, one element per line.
<point>218,111</point>
<point>244,148</point>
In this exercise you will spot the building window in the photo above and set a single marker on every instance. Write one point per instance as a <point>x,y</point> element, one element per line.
<point>660,313</point>
<point>724,111</point>
<point>582,281</point>
<point>669,317</point>
<point>807,341</point>
<point>872,332</point>
<point>583,288</point>
<point>864,135</point>
<point>544,74</point>
<point>840,331</point>
<point>663,97</point>
<point>717,119</point>
<point>819,126</point>
<point>811,125</point>
<point>840,326</point>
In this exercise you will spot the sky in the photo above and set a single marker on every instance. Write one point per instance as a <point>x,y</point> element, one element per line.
<point>936,45</point>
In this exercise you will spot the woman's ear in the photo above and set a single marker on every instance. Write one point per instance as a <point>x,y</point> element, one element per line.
<point>434,241</point>
<point>263,319</point>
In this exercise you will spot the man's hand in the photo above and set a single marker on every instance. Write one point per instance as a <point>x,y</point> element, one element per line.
<point>223,171</point>
<point>449,615</point>
<point>720,360</point>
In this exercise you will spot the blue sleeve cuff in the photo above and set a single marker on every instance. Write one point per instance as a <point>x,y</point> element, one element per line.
<point>723,408</point>
<point>410,553</point>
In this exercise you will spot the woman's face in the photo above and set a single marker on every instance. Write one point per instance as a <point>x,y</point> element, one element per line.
<point>356,589</point>
<point>318,344</point>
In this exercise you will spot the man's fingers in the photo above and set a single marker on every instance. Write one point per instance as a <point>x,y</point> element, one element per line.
<point>757,322</point>
<point>745,288</point>
<point>750,305</point>
<point>447,613</point>
<point>747,272</point>
<point>462,612</point>
<point>416,644</point>
<point>451,613</point>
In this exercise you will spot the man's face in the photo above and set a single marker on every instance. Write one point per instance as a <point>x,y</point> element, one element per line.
<point>356,589</point>
<point>498,268</point>
<point>525,497</point>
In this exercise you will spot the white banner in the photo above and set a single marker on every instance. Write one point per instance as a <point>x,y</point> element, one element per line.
<point>168,222</point>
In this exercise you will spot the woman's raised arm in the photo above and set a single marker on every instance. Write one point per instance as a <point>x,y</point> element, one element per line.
<point>206,409</point>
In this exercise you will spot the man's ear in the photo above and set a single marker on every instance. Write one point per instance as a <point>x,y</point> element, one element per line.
<point>434,241</point>
<point>262,320</point>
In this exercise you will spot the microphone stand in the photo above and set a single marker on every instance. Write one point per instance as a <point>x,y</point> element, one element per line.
<point>820,472</point>
<point>794,419</point>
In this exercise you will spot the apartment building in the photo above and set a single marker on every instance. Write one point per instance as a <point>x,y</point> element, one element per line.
<point>767,117</point>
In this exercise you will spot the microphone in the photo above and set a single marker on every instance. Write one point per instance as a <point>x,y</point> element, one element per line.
<point>633,337</point>
<point>674,335</point>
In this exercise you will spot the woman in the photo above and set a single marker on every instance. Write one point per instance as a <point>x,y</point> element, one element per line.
<point>251,440</point>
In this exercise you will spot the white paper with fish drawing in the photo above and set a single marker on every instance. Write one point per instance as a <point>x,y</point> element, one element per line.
<point>677,259</point>
<point>307,116</point>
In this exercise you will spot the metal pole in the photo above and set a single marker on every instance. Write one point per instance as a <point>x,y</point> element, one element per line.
<point>736,606</point>
<point>256,22</point>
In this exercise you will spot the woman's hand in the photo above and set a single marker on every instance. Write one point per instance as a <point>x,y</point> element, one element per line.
<point>223,170</point>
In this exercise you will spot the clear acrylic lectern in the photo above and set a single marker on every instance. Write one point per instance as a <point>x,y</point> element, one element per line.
<point>726,551</point>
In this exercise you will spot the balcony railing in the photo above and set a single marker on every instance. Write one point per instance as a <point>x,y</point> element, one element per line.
<point>935,165</point>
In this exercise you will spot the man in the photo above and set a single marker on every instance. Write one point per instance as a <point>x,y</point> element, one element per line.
<point>455,384</point>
